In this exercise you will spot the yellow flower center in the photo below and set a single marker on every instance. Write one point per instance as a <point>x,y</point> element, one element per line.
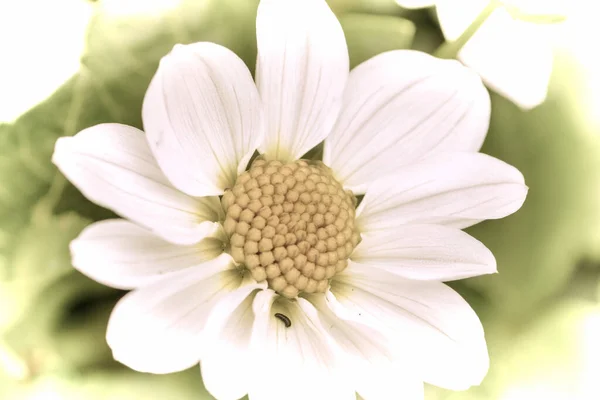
<point>292,225</point>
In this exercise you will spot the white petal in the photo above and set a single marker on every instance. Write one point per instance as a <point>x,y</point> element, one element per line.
<point>301,71</point>
<point>203,117</point>
<point>158,328</point>
<point>226,360</point>
<point>425,252</point>
<point>400,106</point>
<point>437,329</point>
<point>293,362</point>
<point>455,19</point>
<point>375,370</point>
<point>411,4</point>
<point>121,254</point>
<point>112,166</point>
<point>456,190</point>
<point>512,57</point>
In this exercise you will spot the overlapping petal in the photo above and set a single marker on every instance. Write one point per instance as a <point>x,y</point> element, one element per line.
<point>112,166</point>
<point>425,252</point>
<point>512,57</point>
<point>203,117</point>
<point>227,344</point>
<point>456,190</point>
<point>293,362</point>
<point>375,369</point>
<point>301,71</point>
<point>437,329</point>
<point>123,255</point>
<point>158,328</point>
<point>399,107</point>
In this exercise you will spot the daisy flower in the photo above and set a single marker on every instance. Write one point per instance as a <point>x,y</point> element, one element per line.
<point>263,269</point>
<point>512,50</point>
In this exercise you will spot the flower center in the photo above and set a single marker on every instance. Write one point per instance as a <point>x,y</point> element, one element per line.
<point>290,224</point>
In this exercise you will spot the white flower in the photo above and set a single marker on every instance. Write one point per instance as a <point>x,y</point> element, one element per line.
<point>514,56</point>
<point>280,288</point>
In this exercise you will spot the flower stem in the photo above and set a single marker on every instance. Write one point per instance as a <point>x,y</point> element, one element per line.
<point>450,50</point>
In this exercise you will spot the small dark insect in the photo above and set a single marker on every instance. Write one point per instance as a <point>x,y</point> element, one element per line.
<point>284,318</point>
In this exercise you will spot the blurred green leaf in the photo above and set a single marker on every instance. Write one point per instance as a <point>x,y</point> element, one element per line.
<point>40,257</point>
<point>49,322</point>
<point>112,385</point>
<point>42,249</point>
<point>368,35</point>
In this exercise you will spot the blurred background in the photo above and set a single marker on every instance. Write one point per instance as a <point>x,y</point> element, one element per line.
<point>69,64</point>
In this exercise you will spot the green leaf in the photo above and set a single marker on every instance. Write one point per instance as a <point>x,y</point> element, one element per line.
<point>368,35</point>
<point>40,291</point>
<point>54,334</point>
<point>40,257</point>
